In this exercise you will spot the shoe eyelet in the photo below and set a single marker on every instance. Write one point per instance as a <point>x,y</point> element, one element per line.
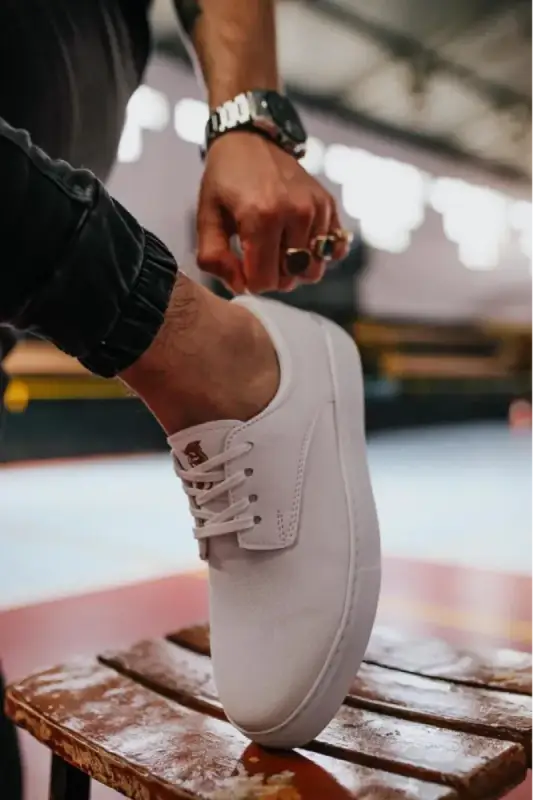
<point>248,471</point>
<point>252,498</point>
<point>257,520</point>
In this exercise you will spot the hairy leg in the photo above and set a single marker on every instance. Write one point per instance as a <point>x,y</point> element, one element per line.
<point>211,360</point>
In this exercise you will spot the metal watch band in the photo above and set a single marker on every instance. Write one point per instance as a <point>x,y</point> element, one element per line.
<point>249,111</point>
<point>230,115</point>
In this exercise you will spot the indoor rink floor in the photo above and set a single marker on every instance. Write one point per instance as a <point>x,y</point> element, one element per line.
<point>452,495</point>
<point>100,551</point>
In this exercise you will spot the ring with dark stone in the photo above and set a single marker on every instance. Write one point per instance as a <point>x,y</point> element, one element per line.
<point>323,247</point>
<point>297,260</point>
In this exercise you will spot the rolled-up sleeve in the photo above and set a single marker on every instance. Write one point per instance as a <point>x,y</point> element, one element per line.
<point>76,267</point>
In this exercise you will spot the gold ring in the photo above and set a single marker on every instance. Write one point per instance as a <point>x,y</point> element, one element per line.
<point>297,260</point>
<point>323,247</point>
<point>342,235</point>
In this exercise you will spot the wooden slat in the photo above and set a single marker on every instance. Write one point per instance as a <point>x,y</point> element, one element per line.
<point>171,670</point>
<point>477,766</point>
<point>465,708</point>
<point>471,709</point>
<point>196,638</point>
<point>507,670</point>
<point>145,746</point>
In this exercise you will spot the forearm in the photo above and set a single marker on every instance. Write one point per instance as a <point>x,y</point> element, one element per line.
<point>235,41</point>
<point>76,267</point>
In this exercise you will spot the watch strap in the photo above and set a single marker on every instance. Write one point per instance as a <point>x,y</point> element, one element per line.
<point>249,111</point>
<point>231,115</point>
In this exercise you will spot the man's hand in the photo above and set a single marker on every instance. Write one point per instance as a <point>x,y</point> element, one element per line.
<point>253,189</point>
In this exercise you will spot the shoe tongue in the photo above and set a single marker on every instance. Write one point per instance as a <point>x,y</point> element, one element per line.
<point>195,445</point>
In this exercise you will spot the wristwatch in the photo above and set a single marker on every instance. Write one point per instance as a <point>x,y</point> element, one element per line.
<point>266,112</point>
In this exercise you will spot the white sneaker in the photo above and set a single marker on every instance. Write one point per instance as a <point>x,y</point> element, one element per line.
<point>286,519</point>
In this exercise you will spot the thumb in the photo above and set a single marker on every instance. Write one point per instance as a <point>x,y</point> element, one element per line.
<point>215,254</point>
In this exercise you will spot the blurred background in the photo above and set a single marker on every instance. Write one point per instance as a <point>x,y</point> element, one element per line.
<point>420,125</point>
<point>420,121</point>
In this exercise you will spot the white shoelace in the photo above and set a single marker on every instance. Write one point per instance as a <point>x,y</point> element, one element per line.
<point>206,483</point>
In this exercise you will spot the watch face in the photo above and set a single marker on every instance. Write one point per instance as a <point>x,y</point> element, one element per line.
<point>286,117</point>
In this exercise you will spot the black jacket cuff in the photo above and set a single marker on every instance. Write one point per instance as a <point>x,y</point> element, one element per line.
<point>142,314</point>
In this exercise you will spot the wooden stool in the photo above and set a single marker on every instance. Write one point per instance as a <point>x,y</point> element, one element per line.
<point>424,721</point>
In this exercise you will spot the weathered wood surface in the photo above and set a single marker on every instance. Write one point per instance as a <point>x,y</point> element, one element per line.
<point>150,748</point>
<point>472,764</point>
<point>502,715</point>
<point>502,669</point>
<point>423,721</point>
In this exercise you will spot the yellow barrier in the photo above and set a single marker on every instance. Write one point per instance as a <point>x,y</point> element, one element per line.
<point>41,372</point>
<point>21,391</point>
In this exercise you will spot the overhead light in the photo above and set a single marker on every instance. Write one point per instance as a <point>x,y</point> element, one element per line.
<point>313,161</point>
<point>190,119</point>
<point>147,110</point>
<point>521,221</point>
<point>387,197</point>
<point>338,163</point>
<point>475,218</point>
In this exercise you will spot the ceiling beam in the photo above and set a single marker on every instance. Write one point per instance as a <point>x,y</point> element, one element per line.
<point>173,47</point>
<point>407,48</point>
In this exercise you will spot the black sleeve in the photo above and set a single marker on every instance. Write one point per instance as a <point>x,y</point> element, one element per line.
<point>75,267</point>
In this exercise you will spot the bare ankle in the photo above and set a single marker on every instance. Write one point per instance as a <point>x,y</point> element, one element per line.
<point>210,360</point>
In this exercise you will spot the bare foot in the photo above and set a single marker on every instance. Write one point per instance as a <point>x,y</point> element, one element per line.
<point>211,360</point>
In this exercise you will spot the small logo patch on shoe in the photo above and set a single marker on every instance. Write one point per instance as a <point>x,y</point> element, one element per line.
<point>195,454</point>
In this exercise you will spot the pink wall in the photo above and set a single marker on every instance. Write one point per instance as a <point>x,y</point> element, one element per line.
<point>426,280</point>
